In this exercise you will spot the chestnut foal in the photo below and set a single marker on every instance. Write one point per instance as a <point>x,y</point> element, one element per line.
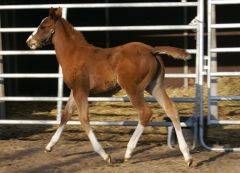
<point>87,69</point>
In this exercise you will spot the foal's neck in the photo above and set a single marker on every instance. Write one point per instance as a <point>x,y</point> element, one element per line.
<point>65,40</point>
<point>70,33</point>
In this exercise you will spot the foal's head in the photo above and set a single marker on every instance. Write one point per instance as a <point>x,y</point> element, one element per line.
<point>45,31</point>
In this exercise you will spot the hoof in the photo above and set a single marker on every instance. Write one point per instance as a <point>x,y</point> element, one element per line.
<point>47,150</point>
<point>109,160</point>
<point>189,162</point>
<point>126,159</point>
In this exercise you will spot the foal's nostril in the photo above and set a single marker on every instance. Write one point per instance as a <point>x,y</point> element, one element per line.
<point>32,46</point>
<point>32,43</point>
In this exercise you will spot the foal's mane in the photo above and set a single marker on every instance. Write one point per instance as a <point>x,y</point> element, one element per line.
<point>72,32</point>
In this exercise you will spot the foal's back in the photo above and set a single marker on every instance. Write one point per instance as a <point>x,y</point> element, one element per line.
<point>107,67</point>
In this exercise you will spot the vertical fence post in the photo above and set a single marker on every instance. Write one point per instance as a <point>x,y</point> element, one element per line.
<point>185,34</point>
<point>213,64</point>
<point>199,63</point>
<point>107,35</point>
<point>60,81</point>
<point>2,90</point>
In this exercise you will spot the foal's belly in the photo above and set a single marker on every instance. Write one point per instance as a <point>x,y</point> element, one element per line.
<point>106,89</point>
<point>103,80</point>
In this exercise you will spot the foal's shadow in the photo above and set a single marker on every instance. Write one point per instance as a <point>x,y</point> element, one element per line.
<point>211,159</point>
<point>144,148</point>
<point>157,156</point>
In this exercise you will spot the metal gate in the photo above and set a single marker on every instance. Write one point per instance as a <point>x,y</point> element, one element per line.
<point>196,25</point>
<point>213,74</point>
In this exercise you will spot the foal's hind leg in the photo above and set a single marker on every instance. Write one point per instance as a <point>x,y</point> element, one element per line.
<point>170,108</point>
<point>137,100</point>
<point>68,111</point>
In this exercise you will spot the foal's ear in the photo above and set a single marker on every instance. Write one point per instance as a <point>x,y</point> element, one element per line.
<point>58,12</point>
<point>55,13</point>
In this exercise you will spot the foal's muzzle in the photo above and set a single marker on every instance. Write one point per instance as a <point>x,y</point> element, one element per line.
<point>32,42</point>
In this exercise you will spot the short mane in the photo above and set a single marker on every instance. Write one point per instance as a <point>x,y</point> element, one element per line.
<point>72,32</point>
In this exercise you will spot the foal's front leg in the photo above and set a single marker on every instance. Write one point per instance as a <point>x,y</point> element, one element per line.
<point>82,105</point>
<point>68,111</point>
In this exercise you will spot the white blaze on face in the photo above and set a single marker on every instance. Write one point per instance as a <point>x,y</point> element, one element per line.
<point>31,41</point>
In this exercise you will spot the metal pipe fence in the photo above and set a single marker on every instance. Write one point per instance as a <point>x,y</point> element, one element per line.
<point>211,37</point>
<point>59,98</point>
<point>214,74</point>
<point>198,26</point>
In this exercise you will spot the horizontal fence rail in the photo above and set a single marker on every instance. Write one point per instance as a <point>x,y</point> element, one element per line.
<point>223,74</point>
<point>225,122</point>
<point>225,98</point>
<point>93,99</point>
<point>225,50</point>
<point>57,75</point>
<point>48,52</point>
<point>27,75</point>
<point>225,25</point>
<point>100,5</point>
<point>112,28</point>
<point>95,123</point>
<point>224,2</point>
<point>27,52</point>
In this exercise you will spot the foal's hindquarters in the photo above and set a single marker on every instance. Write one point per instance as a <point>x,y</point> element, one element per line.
<point>152,82</point>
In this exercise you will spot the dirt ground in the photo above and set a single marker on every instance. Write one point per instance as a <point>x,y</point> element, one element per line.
<point>22,146</point>
<point>22,151</point>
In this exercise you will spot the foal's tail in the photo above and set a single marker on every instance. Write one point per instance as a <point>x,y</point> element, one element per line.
<point>174,52</point>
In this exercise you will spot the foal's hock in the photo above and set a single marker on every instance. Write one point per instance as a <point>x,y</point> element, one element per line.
<point>134,67</point>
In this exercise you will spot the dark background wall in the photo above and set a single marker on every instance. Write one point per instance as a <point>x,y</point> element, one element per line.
<point>104,17</point>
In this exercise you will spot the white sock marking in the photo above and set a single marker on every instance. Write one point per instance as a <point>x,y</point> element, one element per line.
<point>183,145</point>
<point>55,137</point>
<point>134,139</point>
<point>96,145</point>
